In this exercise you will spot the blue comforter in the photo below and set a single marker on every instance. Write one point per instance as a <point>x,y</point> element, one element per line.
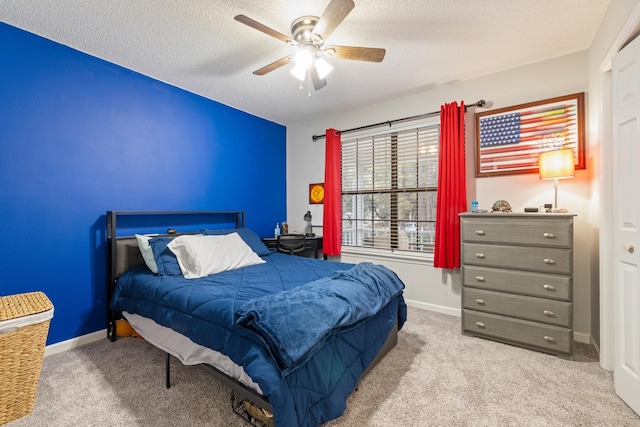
<point>340,300</point>
<point>306,386</point>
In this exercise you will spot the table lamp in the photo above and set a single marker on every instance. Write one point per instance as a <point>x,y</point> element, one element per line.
<point>557,164</point>
<point>308,231</point>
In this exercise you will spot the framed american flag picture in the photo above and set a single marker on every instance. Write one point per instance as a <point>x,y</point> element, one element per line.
<point>509,140</point>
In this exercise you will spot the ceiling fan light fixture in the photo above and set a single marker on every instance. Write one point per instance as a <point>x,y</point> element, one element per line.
<point>304,58</point>
<point>323,68</point>
<point>330,51</point>
<point>299,72</point>
<point>308,34</point>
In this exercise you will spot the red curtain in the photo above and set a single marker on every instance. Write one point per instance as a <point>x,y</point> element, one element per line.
<point>452,193</point>
<point>332,218</point>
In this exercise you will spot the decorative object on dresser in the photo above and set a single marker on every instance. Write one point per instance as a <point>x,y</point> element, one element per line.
<point>501,206</point>
<point>517,279</point>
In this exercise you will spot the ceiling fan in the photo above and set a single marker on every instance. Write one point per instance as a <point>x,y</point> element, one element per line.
<point>308,34</point>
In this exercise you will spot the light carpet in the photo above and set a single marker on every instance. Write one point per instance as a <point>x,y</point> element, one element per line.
<point>434,377</point>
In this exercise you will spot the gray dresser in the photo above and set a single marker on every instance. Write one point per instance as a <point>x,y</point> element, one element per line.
<point>517,279</point>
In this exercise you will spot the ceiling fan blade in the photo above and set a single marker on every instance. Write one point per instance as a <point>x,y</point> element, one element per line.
<point>261,27</point>
<point>273,66</point>
<point>318,83</point>
<point>371,54</point>
<point>333,15</point>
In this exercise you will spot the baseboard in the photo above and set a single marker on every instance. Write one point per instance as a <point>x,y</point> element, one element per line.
<point>582,337</point>
<point>61,346</point>
<point>433,307</point>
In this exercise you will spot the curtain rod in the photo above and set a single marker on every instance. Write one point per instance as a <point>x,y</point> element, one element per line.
<point>480,103</point>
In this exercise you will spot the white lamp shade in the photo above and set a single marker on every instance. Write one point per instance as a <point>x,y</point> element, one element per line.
<point>557,164</point>
<point>304,58</point>
<point>323,68</point>
<point>299,72</point>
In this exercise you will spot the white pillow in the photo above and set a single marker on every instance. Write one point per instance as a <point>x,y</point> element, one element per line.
<point>147,252</point>
<point>200,256</point>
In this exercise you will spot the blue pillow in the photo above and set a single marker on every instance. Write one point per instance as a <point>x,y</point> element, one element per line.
<point>165,259</point>
<point>249,236</point>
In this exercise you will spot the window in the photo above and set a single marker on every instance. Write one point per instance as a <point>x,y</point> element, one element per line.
<point>389,189</point>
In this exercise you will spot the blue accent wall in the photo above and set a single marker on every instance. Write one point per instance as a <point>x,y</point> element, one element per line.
<point>80,136</point>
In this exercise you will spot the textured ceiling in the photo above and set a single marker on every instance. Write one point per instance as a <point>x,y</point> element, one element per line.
<point>198,46</point>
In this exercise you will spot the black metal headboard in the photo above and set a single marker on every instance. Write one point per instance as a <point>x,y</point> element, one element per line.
<point>123,252</point>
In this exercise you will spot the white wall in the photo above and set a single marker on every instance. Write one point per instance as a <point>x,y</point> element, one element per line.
<point>433,288</point>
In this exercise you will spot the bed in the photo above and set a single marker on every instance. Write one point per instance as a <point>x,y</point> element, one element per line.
<point>291,334</point>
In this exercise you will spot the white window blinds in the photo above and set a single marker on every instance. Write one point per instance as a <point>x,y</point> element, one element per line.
<point>389,189</point>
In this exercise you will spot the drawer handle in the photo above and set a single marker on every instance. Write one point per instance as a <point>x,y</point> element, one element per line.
<point>548,261</point>
<point>480,301</point>
<point>549,313</point>
<point>480,232</point>
<point>549,287</point>
<point>548,235</point>
<point>548,338</point>
<point>479,255</point>
<point>480,325</point>
<point>480,278</point>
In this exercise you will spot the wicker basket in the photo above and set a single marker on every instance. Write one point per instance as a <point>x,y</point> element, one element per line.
<point>22,352</point>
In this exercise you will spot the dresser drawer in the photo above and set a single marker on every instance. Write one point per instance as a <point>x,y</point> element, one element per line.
<point>520,282</point>
<point>553,312</point>
<point>550,231</point>
<point>545,260</point>
<point>516,331</point>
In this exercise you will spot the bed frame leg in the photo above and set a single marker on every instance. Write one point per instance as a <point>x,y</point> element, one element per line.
<point>168,371</point>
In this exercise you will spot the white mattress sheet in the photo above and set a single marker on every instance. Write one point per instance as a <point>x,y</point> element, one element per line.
<point>188,352</point>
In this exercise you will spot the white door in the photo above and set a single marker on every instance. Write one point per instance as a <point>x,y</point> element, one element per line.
<point>626,221</point>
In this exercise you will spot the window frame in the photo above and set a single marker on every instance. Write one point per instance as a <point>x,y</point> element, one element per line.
<point>394,191</point>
